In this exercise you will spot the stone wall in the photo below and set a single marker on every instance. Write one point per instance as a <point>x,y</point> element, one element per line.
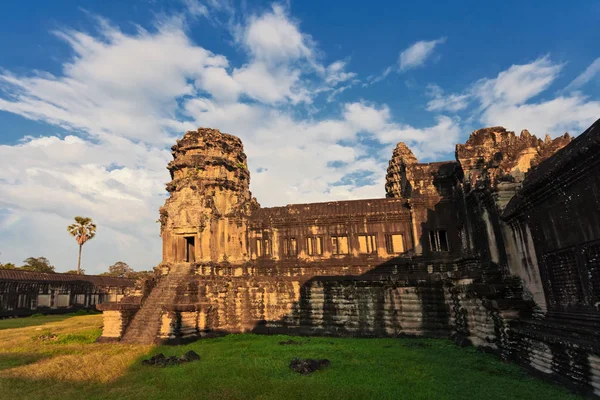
<point>365,227</point>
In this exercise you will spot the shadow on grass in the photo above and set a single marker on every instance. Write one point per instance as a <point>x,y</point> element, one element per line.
<point>28,389</point>
<point>41,319</point>
<point>25,322</point>
<point>11,360</point>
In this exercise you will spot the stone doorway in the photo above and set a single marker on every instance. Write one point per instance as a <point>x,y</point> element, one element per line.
<point>190,249</point>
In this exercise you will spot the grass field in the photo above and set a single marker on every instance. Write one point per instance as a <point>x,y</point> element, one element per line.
<point>72,366</point>
<point>31,321</point>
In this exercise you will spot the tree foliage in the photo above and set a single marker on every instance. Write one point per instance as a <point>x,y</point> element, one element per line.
<point>83,229</point>
<point>8,266</point>
<point>121,269</point>
<point>38,264</point>
<point>74,272</point>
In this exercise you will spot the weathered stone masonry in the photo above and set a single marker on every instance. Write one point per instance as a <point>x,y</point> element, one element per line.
<point>496,249</point>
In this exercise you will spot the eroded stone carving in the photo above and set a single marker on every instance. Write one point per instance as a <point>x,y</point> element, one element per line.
<point>495,155</point>
<point>210,199</point>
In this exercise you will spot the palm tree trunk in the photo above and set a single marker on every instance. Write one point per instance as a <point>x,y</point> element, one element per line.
<point>79,261</point>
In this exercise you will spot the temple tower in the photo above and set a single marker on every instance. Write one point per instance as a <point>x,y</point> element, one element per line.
<point>399,172</point>
<point>204,219</point>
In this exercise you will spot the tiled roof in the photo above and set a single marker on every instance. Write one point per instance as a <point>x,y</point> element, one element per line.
<point>29,276</point>
<point>334,208</point>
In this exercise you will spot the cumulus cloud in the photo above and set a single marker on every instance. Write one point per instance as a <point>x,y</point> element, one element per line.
<point>275,38</point>
<point>511,100</point>
<point>115,83</point>
<point>428,142</point>
<point>365,117</point>
<point>562,114</point>
<point>416,55</point>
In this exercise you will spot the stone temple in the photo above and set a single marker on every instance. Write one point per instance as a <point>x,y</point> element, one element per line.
<point>499,248</point>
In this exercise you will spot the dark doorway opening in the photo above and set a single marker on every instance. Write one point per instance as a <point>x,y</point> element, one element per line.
<point>190,251</point>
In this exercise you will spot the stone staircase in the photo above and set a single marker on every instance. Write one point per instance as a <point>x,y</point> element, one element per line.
<point>145,326</point>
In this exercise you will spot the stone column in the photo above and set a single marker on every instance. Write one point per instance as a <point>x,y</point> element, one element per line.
<point>417,247</point>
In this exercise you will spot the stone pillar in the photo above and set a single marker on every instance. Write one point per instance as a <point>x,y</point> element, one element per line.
<point>416,242</point>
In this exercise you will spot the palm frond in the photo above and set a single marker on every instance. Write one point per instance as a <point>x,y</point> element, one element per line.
<point>83,230</point>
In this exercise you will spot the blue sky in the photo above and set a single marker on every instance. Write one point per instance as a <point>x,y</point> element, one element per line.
<point>92,95</point>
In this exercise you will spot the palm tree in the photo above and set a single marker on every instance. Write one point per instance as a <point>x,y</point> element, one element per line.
<point>83,230</point>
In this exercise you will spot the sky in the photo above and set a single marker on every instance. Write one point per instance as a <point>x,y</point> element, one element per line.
<point>94,93</point>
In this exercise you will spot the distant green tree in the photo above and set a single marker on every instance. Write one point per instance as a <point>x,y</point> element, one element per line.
<point>142,275</point>
<point>83,230</point>
<point>38,264</point>
<point>120,269</point>
<point>8,266</point>
<point>74,272</point>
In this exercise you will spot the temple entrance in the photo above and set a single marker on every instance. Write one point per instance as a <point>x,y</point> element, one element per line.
<point>190,250</point>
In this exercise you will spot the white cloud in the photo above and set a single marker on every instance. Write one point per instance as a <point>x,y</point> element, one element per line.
<point>509,100</point>
<point>416,55</point>
<point>428,142</point>
<point>413,57</point>
<point>123,84</point>
<point>335,73</point>
<point>374,79</point>
<point>48,180</point>
<point>441,102</point>
<point>280,56</point>
<point>47,236</point>
<point>195,8</point>
<point>366,117</point>
<point>274,38</point>
<point>220,84</point>
<point>590,73</point>
<point>271,85</point>
<point>573,114</point>
<point>517,84</point>
<point>335,92</point>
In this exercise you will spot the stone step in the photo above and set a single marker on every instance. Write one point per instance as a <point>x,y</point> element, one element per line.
<point>146,323</point>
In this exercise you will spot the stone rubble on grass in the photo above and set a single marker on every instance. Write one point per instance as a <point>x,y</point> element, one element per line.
<point>291,341</point>
<point>48,336</point>
<point>308,366</point>
<point>160,360</point>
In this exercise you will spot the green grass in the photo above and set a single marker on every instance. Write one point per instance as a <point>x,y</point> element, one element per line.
<point>253,367</point>
<point>36,319</point>
<point>40,319</point>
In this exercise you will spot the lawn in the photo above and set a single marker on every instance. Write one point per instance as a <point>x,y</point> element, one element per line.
<point>70,365</point>
<point>37,319</point>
